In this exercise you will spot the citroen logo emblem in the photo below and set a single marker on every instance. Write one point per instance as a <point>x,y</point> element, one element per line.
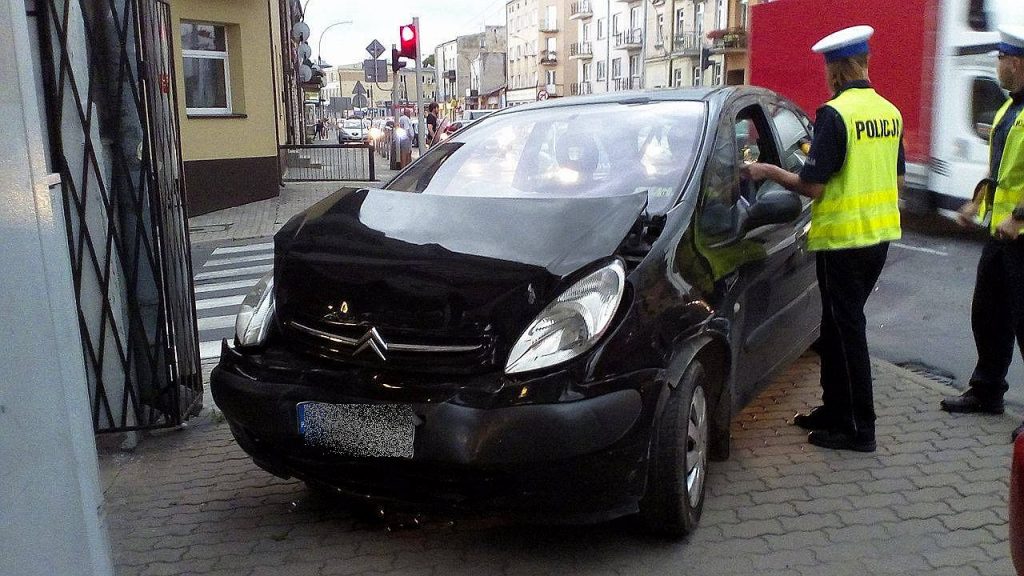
<point>372,340</point>
<point>343,307</point>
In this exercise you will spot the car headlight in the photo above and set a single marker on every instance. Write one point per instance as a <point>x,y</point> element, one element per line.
<point>573,323</point>
<point>257,313</point>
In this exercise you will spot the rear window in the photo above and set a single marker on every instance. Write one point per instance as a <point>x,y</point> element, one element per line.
<point>572,151</point>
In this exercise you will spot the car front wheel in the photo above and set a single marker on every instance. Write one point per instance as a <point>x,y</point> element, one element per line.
<point>678,470</point>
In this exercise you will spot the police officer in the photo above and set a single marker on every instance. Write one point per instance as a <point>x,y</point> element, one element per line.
<point>853,173</point>
<point>997,312</point>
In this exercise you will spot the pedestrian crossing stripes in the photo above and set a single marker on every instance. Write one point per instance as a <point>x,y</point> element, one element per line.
<point>221,284</point>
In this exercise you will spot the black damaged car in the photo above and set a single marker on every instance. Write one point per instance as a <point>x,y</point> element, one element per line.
<point>554,312</point>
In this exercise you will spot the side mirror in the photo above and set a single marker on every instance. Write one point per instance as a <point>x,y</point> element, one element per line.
<point>774,206</point>
<point>983,130</point>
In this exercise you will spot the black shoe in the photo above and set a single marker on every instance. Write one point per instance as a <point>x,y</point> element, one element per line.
<point>837,440</point>
<point>971,402</point>
<point>1016,432</point>
<point>816,419</point>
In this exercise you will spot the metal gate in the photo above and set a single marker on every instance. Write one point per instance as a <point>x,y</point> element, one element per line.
<point>112,120</point>
<point>350,161</point>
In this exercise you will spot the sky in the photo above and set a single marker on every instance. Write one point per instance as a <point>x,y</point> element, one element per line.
<point>440,21</point>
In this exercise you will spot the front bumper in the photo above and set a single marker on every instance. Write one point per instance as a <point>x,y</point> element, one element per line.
<point>579,459</point>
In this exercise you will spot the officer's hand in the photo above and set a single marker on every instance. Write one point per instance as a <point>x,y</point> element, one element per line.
<point>965,217</point>
<point>1009,228</point>
<point>756,171</point>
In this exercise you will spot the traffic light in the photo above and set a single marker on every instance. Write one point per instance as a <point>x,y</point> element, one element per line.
<point>407,37</point>
<point>396,60</point>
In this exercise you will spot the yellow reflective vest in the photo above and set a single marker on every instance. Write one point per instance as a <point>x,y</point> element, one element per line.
<point>1010,179</point>
<point>860,204</point>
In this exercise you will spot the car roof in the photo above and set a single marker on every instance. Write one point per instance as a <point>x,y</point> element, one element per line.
<point>717,94</point>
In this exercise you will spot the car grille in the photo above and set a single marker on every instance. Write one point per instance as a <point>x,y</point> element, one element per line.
<point>365,345</point>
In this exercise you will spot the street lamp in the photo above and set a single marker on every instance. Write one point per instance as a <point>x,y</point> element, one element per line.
<point>319,43</point>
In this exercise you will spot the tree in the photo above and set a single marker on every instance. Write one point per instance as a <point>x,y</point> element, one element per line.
<point>429,60</point>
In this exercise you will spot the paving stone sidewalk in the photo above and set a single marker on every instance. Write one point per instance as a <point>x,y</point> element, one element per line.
<point>931,500</point>
<point>264,218</point>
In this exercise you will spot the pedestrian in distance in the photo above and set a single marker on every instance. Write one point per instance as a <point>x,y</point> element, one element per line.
<point>997,308</point>
<point>405,134</point>
<point>853,174</point>
<point>432,135</point>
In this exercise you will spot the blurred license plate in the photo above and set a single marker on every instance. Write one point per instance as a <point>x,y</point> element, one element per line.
<point>364,430</point>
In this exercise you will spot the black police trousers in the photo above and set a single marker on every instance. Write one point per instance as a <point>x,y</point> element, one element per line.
<point>846,279</point>
<point>997,314</point>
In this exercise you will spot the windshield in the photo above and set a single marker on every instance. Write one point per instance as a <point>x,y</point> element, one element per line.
<point>353,124</point>
<point>609,149</point>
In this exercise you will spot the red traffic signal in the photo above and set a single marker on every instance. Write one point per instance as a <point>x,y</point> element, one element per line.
<point>407,37</point>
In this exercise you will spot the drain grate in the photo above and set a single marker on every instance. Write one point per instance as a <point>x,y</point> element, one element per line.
<point>929,372</point>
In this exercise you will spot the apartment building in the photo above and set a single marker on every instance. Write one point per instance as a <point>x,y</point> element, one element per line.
<point>697,42</point>
<point>539,34</point>
<point>609,46</point>
<point>471,68</point>
<point>341,81</point>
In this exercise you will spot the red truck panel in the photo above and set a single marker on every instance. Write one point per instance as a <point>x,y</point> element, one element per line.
<point>902,55</point>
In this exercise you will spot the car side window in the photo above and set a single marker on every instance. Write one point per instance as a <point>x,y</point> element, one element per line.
<point>743,137</point>
<point>794,138</point>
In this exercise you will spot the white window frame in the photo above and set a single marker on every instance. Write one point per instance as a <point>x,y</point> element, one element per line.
<point>677,77</point>
<point>636,18</point>
<point>601,25</point>
<point>698,18</point>
<point>600,72</point>
<point>550,77</point>
<point>698,76</point>
<point>211,55</point>
<point>616,68</point>
<point>716,74</point>
<point>722,15</point>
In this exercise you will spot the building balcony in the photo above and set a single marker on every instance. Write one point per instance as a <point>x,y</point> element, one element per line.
<point>687,44</point>
<point>632,83</point>
<point>549,57</point>
<point>548,26</point>
<point>630,39</point>
<point>580,89</point>
<point>732,40</point>
<point>581,10</point>
<point>582,50</point>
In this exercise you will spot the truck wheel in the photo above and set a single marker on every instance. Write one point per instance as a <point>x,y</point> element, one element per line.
<point>677,473</point>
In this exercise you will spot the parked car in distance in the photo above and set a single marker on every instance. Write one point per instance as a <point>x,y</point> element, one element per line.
<point>552,313</point>
<point>353,130</point>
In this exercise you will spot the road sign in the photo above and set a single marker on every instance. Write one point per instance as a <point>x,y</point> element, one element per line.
<point>375,70</point>
<point>375,49</point>
<point>359,90</point>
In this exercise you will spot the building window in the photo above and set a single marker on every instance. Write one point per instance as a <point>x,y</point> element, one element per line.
<point>677,77</point>
<point>744,13</point>
<point>696,76</point>
<point>660,38</point>
<point>600,28</point>
<point>636,18</point>
<point>551,78</point>
<point>617,68</point>
<point>680,21</point>
<point>586,32</point>
<point>586,72</point>
<point>615,24</point>
<point>205,58</point>
<point>698,19</point>
<point>716,74</point>
<point>722,14</point>
<point>634,65</point>
<point>600,72</point>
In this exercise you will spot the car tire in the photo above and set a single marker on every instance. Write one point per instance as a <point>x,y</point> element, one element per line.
<point>677,473</point>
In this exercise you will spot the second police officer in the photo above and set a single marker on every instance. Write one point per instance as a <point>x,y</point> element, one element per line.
<point>853,174</point>
<point>997,310</point>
